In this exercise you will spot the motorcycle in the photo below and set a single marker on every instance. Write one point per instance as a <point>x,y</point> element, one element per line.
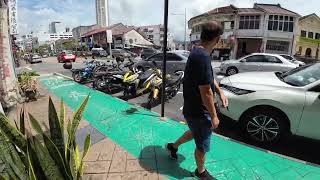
<point>111,81</point>
<point>173,85</point>
<point>137,82</point>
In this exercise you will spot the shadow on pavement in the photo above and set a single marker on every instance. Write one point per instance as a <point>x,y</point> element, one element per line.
<point>133,111</point>
<point>164,164</point>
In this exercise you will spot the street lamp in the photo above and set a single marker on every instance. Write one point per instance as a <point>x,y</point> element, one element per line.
<point>185,26</point>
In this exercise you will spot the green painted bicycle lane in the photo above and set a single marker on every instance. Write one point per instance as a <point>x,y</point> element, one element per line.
<point>138,131</point>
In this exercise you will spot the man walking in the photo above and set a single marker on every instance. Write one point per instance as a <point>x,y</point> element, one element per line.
<point>198,92</point>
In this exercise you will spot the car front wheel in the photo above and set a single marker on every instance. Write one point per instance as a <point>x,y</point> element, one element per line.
<point>231,71</point>
<point>264,126</point>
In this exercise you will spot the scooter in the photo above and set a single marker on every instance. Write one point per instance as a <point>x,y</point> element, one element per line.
<point>173,85</point>
<point>111,81</point>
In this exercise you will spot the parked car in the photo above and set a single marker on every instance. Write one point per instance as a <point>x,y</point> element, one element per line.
<point>176,61</point>
<point>293,59</point>
<point>100,52</point>
<point>120,53</point>
<point>35,58</point>
<point>147,53</point>
<point>132,54</point>
<point>271,105</point>
<point>257,62</point>
<point>66,56</point>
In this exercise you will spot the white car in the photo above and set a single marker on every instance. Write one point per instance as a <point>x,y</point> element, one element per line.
<point>293,59</point>
<point>257,62</point>
<point>270,105</point>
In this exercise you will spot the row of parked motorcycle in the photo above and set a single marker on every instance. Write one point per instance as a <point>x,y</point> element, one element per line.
<point>119,76</point>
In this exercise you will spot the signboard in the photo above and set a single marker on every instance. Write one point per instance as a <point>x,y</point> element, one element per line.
<point>109,36</point>
<point>13,17</point>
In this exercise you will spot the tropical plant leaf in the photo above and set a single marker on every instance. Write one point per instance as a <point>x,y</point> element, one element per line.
<point>62,117</point>
<point>12,133</point>
<point>33,156</point>
<point>35,125</point>
<point>4,177</point>
<point>59,159</point>
<point>77,157</point>
<point>32,175</point>
<point>77,118</point>
<point>72,164</point>
<point>55,128</point>
<point>11,158</point>
<point>86,148</point>
<point>87,145</point>
<point>22,122</point>
<point>47,164</point>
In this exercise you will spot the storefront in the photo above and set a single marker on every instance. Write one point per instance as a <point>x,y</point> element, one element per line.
<point>278,47</point>
<point>247,46</point>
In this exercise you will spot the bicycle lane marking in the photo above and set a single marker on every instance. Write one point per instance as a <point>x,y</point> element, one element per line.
<point>135,128</point>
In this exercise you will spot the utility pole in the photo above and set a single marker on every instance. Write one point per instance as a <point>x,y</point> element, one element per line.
<point>185,29</point>
<point>164,67</point>
<point>108,24</point>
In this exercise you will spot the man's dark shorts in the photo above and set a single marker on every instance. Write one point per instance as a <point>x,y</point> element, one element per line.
<point>201,131</point>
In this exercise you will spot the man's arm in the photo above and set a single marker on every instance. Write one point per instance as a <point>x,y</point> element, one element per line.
<point>223,98</point>
<point>207,97</point>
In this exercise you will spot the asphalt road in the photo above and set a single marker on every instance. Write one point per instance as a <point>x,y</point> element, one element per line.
<point>296,147</point>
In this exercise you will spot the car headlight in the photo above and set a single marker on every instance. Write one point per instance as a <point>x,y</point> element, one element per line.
<point>235,90</point>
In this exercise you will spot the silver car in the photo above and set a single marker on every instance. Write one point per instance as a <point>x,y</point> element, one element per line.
<point>270,105</point>
<point>257,62</point>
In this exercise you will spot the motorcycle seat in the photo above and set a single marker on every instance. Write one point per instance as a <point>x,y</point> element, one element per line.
<point>146,75</point>
<point>173,80</point>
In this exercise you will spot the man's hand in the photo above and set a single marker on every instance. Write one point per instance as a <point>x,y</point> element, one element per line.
<point>224,100</point>
<point>215,122</point>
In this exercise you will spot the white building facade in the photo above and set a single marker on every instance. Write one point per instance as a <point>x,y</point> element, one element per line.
<point>266,28</point>
<point>102,13</point>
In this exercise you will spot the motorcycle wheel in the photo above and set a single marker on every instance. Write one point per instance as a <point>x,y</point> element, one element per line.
<point>77,77</point>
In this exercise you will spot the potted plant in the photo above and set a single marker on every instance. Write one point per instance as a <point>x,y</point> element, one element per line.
<point>28,85</point>
<point>49,155</point>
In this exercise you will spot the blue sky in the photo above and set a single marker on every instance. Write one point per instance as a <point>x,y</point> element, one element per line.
<point>35,15</point>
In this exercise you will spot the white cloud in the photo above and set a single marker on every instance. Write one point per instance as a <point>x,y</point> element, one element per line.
<point>136,12</point>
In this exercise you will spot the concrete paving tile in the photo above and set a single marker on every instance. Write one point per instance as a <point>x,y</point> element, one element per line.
<point>149,175</point>
<point>95,176</point>
<point>115,176</point>
<point>97,167</point>
<point>130,156</point>
<point>107,150</point>
<point>132,176</point>
<point>141,165</point>
<point>118,163</point>
<point>92,156</point>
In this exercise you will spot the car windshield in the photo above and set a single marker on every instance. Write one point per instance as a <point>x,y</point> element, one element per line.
<point>302,76</point>
<point>68,52</point>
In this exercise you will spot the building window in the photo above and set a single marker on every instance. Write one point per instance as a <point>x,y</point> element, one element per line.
<point>317,36</point>
<point>249,22</point>
<point>280,23</point>
<point>282,46</point>
<point>303,33</point>
<point>310,35</point>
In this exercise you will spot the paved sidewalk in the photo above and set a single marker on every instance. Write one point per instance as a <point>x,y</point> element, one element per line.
<point>136,137</point>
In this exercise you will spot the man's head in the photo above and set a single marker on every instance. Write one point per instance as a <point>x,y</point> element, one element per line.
<point>211,32</point>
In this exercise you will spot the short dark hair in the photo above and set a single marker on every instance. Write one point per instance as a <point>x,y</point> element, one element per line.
<point>210,31</point>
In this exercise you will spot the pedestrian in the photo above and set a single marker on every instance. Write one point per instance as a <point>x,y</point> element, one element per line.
<point>198,92</point>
